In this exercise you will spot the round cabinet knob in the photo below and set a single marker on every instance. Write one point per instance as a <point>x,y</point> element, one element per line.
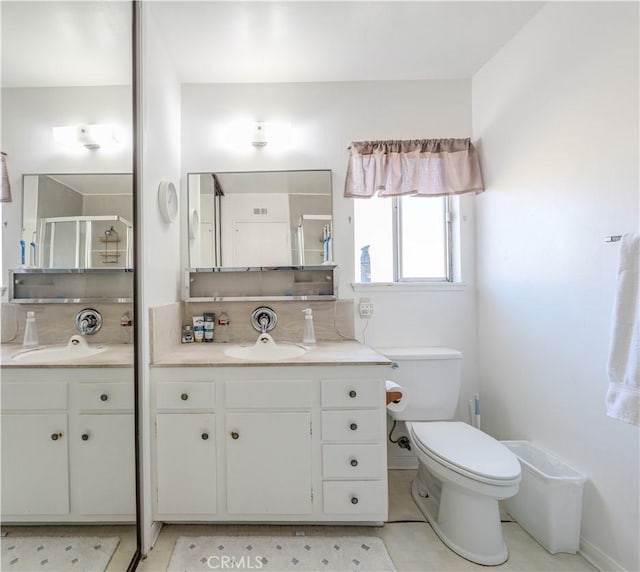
<point>234,435</point>
<point>85,437</point>
<point>354,463</point>
<point>353,393</point>
<point>184,396</point>
<point>204,436</point>
<point>104,397</point>
<point>354,500</point>
<point>353,426</point>
<point>55,436</point>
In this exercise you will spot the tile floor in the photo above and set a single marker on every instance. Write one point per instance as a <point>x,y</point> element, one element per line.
<point>413,546</point>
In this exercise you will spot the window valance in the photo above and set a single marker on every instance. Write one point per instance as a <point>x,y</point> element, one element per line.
<point>422,167</point>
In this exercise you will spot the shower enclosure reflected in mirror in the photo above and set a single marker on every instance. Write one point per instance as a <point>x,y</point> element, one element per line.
<point>260,218</point>
<point>68,495</point>
<point>78,220</point>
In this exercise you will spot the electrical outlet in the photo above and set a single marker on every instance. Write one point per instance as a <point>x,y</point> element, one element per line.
<point>365,307</point>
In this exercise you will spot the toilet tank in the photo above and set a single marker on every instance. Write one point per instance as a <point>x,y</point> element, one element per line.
<point>431,377</point>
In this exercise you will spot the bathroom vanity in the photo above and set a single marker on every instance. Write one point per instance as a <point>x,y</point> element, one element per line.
<point>301,440</point>
<point>67,447</point>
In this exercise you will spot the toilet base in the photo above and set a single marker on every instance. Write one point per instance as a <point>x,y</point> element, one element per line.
<point>468,524</point>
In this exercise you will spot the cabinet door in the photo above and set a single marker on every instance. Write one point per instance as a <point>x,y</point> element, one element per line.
<point>268,463</point>
<point>103,465</point>
<point>186,463</point>
<point>34,464</point>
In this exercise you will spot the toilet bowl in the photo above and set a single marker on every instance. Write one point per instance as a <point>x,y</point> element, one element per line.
<point>462,475</point>
<point>462,472</point>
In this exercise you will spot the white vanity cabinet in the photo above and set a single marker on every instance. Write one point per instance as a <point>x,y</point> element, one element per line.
<point>185,452</point>
<point>268,427</point>
<point>67,446</point>
<point>285,447</point>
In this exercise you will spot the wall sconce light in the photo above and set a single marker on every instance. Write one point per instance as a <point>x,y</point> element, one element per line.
<point>259,134</point>
<point>88,136</point>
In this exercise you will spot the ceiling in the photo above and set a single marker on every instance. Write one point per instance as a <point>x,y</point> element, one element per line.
<point>87,43</point>
<point>98,183</point>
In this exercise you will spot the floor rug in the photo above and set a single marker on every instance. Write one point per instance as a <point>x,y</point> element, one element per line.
<point>57,553</point>
<point>281,553</point>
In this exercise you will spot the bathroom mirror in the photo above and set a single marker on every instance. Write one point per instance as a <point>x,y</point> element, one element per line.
<point>69,445</point>
<point>78,220</point>
<point>260,218</point>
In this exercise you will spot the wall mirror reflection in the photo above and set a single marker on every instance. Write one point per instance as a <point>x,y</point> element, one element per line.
<point>260,218</point>
<point>78,220</point>
<point>67,410</point>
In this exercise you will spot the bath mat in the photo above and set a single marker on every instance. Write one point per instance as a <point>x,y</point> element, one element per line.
<point>281,553</point>
<point>57,553</point>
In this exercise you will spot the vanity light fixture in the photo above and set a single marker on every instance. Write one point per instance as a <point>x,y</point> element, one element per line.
<point>91,136</point>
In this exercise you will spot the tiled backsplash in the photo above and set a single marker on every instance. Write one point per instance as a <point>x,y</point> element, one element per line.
<point>333,321</point>
<point>56,322</point>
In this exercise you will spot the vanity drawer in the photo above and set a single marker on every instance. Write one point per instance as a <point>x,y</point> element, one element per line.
<point>273,394</point>
<point>354,497</point>
<point>32,396</point>
<point>352,425</point>
<point>102,396</point>
<point>351,393</point>
<point>184,396</point>
<point>353,461</point>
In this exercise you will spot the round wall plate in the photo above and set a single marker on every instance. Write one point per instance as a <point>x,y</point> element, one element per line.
<point>168,201</point>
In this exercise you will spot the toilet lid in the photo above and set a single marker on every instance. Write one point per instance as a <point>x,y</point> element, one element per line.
<point>467,448</point>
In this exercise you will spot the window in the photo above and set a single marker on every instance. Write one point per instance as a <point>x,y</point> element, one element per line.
<point>409,238</point>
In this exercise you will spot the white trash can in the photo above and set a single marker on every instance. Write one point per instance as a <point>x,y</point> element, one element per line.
<point>549,502</point>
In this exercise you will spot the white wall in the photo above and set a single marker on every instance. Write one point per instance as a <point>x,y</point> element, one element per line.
<point>160,272</point>
<point>556,111</point>
<point>28,115</point>
<point>325,117</point>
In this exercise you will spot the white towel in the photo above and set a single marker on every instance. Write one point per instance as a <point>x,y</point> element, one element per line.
<point>623,396</point>
<point>399,404</point>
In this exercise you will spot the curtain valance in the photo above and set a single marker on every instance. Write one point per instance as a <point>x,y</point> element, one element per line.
<point>423,167</point>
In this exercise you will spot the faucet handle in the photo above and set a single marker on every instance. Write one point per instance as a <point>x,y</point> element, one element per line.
<point>88,321</point>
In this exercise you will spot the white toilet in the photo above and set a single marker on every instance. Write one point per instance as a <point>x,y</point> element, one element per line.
<point>462,472</point>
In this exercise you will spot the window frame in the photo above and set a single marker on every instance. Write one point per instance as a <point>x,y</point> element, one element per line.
<point>398,277</point>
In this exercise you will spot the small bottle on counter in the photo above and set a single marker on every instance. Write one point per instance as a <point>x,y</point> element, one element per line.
<point>125,328</point>
<point>209,323</point>
<point>187,334</point>
<point>30,339</point>
<point>222,331</point>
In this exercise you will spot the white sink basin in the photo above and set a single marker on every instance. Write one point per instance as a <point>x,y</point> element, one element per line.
<point>76,348</point>
<point>266,349</point>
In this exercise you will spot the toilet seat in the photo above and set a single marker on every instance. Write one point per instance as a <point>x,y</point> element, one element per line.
<point>467,451</point>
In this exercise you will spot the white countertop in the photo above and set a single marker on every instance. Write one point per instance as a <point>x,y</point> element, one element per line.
<point>348,352</point>
<point>116,355</point>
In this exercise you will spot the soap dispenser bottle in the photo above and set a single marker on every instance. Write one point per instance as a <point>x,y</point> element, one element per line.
<point>30,339</point>
<point>308,334</point>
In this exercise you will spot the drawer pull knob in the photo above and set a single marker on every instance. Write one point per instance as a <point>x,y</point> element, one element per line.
<point>204,436</point>
<point>85,437</point>
<point>104,397</point>
<point>354,463</point>
<point>354,500</point>
<point>55,436</point>
<point>353,393</point>
<point>234,435</point>
<point>353,426</point>
<point>184,396</point>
